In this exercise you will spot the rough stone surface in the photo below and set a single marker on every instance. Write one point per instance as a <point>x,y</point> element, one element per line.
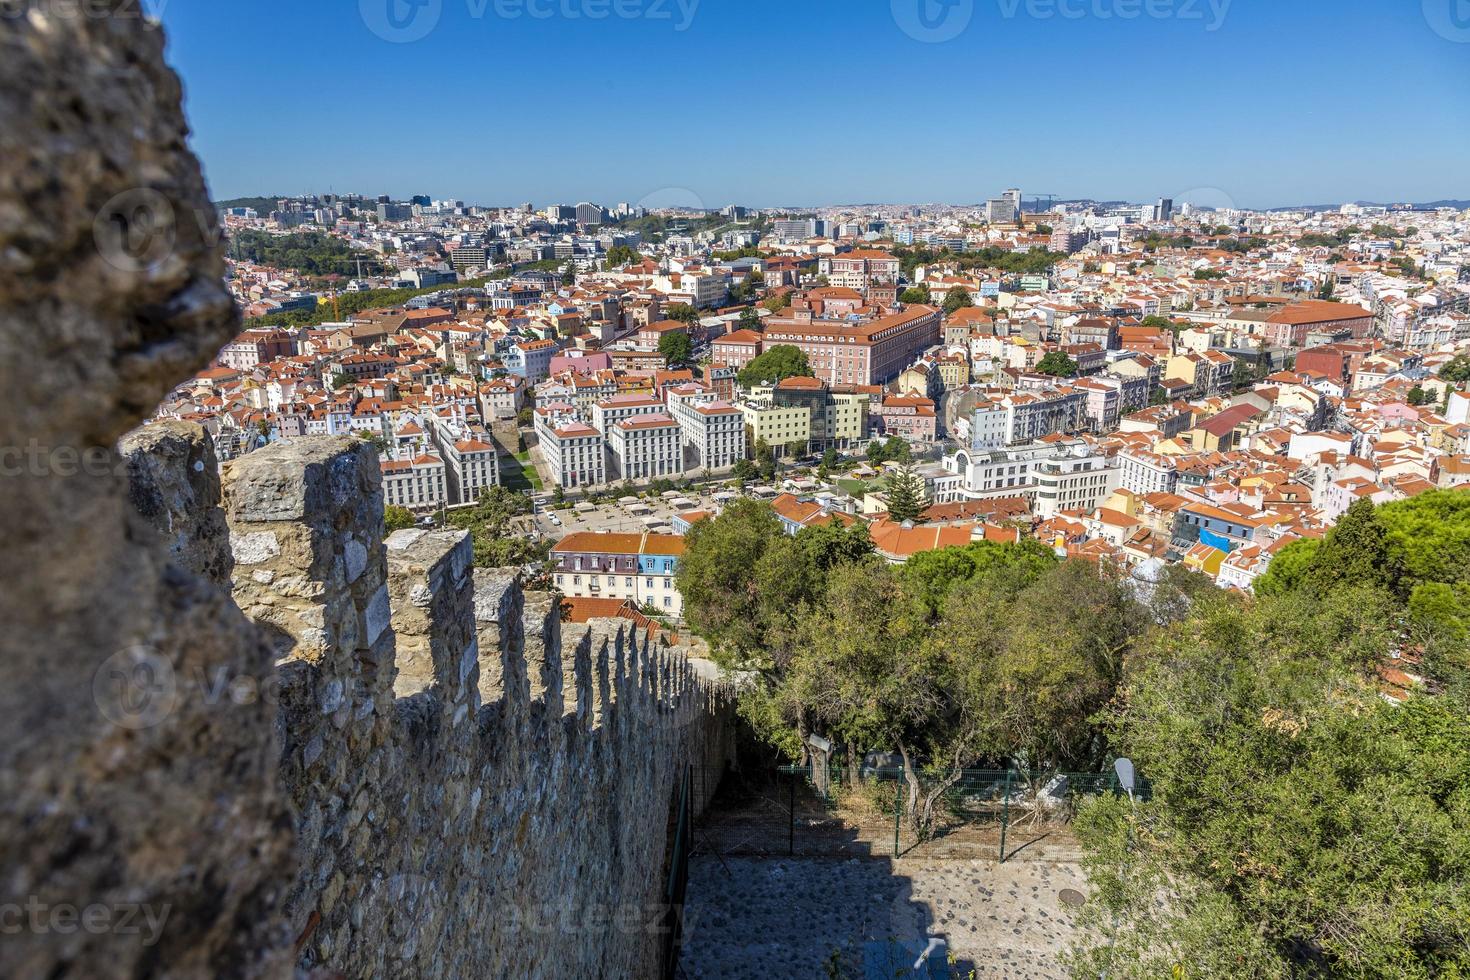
<point>250,783</point>
<point>999,920</point>
<point>165,797</point>
<point>439,835</point>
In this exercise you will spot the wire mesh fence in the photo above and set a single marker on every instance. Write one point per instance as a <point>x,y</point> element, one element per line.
<point>893,812</point>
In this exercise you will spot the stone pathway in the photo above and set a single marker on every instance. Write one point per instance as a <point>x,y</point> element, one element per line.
<point>789,917</point>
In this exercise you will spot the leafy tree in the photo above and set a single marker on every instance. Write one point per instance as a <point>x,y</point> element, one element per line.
<point>682,312</point>
<point>1456,370</point>
<point>1418,396</point>
<point>765,459</point>
<point>930,576</point>
<point>497,543</point>
<point>777,363</point>
<point>781,301</point>
<point>915,294</point>
<point>895,450</point>
<point>622,255</point>
<point>906,498</point>
<point>1356,551</point>
<point>676,348</point>
<point>310,253</point>
<point>1299,824</point>
<point>744,471</point>
<point>1058,365</point>
<point>957,298</point>
<point>339,381</point>
<point>1289,569</point>
<point>396,518</point>
<point>750,319</point>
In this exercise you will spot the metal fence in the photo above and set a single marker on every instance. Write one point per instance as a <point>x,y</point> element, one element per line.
<point>971,808</point>
<point>677,886</point>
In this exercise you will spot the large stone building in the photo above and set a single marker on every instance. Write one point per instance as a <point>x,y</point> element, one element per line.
<point>874,352</point>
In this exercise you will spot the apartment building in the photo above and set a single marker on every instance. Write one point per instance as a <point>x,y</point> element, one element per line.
<point>530,359</point>
<point>575,455</point>
<point>646,447</point>
<point>606,415</point>
<point>417,483</point>
<point>471,467</point>
<point>779,426</point>
<point>1078,481</point>
<point>715,431</point>
<point>1143,472</point>
<point>908,416</point>
<point>737,349</point>
<point>636,567</point>
<point>862,269</point>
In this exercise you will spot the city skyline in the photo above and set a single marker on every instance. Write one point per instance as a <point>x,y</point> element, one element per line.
<point>642,107</point>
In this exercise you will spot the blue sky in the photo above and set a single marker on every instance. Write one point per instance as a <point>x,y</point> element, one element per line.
<point>1257,103</point>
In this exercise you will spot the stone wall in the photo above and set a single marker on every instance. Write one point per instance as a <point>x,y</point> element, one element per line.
<point>123,801</point>
<point>389,764</point>
<point>441,833</point>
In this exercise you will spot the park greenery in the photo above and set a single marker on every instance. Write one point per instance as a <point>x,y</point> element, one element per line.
<point>311,253</point>
<point>496,542</point>
<point>1297,823</point>
<point>1037,260</point>
<point>622,255</point>
<point>347,304</point>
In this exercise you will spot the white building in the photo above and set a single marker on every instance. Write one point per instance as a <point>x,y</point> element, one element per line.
<point>647,447</point>
<point>575,454</point>
<point>1078,481</point>
<point>715,430</point>
<point>1144,472</point>
<point>417,483</point>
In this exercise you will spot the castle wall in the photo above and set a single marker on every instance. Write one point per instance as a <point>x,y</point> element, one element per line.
<point>441,834</point>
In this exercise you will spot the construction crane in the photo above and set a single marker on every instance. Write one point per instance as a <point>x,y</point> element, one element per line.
<point>1050,199</point>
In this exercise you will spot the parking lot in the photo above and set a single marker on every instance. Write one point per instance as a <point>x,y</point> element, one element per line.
<point>623,518</point>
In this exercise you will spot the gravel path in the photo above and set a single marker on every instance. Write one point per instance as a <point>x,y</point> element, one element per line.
<point>786,917</point>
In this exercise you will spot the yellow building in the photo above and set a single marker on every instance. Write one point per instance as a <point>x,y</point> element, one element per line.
<point>779,425</point>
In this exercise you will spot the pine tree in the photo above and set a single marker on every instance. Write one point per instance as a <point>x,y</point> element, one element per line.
<point>906,500</point>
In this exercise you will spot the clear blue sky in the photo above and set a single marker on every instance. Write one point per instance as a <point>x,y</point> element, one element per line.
<point>772,102</point>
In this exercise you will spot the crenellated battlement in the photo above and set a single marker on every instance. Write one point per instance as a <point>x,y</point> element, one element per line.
<point>458,759</point>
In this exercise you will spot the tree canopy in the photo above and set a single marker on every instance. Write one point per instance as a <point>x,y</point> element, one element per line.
<point>1057,364</point>
<point>1300,822</point>
<point>777,363</point>
<point>676,348</point>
